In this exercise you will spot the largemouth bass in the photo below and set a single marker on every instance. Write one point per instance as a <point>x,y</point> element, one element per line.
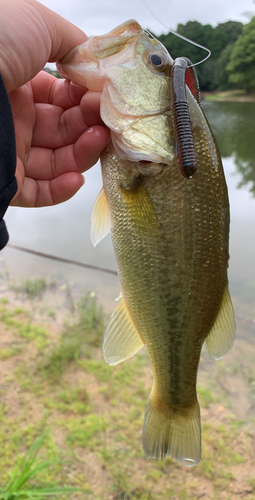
<point>169,233</point>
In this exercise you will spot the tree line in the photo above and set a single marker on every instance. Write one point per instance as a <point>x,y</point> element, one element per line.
<point>232,44</point>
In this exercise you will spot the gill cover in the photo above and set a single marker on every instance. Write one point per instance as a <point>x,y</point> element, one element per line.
<point>132,70</point>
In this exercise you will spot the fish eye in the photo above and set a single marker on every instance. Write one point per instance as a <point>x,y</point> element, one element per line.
<point>157,61</point>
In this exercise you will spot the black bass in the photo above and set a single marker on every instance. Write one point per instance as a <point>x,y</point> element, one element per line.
<point>169,233</point>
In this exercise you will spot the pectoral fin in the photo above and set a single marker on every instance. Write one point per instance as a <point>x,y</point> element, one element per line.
<point>100,218</point>
<point>222,335</point>
<point>121,339</point>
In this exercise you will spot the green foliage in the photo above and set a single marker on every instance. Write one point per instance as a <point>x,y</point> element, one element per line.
<point>8,352</point>
<point>215,39</point>
<point>59,357</point>
<point>96,413</point>
<point>33,288</point>
<point>16,321</point>
<point>224,34</point>
<point>241,66</point>
<point>86,330</point>
<point>82,431</point>
<point>19,486</point>
<point>3,300</point>
<point>91,320</point>
<point>205,396</point>
<point>70,401</point>
<point>221,76</point>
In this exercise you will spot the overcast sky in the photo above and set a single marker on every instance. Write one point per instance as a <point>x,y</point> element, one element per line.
<point>97,17</point>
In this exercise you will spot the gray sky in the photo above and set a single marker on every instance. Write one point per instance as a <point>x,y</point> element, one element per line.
<point>97,17</point>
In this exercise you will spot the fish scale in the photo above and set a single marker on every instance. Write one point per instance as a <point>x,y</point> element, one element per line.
<point>169,233</point>
<point>166,309</point>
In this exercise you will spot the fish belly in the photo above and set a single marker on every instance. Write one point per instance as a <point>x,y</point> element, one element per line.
<point>170,243</point>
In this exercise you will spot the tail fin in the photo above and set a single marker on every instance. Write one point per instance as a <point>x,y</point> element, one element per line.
<point>172,433</point>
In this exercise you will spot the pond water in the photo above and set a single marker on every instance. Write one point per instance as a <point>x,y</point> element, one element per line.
<point>64,230</point>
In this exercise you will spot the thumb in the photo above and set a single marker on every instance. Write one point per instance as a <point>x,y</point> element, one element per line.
<point>30,36</point>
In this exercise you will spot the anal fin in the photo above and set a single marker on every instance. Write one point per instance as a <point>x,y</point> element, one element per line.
<point>121,340</point>
<point>222,335</point>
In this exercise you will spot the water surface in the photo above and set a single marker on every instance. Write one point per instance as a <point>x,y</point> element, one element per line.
<point>64,230</point>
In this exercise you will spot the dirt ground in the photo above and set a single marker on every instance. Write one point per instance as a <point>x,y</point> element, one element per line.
<point>96,411</point>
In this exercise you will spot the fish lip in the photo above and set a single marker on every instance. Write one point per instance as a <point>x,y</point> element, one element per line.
<point>144,162</point>
<point>75,59</point>
<point>77,54</point>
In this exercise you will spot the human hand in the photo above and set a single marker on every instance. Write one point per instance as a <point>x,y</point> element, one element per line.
<point>56,139</point>
<point>59,133</point>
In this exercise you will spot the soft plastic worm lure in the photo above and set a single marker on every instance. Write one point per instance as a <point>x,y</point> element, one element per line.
<point>183,72</point>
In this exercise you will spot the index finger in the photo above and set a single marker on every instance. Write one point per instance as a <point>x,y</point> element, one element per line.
<point>48,89</point>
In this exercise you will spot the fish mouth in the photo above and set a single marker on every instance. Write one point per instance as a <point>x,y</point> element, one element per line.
<point>77,55</point>
<point>85,63</point>
<point>78,63</point>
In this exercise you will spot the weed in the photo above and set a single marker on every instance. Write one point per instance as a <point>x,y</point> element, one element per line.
<point>8,352</point>
<point>4,300</point>
<point>86,330</point>
<point>33,288</point>
<point>59,358</point>
<point>81,431</point>
<point>16,320</point>
<point>20,485</point>
<point>91,319</point>
<point>100,369</point>
<point>205,396</point>
<point>52,314</point>
<point>70,401</point>
<point>96,413</point>
<point>20,311</point>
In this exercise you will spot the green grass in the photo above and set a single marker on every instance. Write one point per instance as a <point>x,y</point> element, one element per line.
<point>85,431</point>
<point>72,401</point>
<point>228,95</point>
<point>59,379</point>
<point>205,396</point>
<point>77,338</point>
<point>20,324</point>
<point>8,352</point>
<point>33,288</point>
<point>22,485</point>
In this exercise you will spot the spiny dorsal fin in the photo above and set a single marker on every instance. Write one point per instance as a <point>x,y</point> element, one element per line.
<point>100,218</point>
<point>121,340</point>
<point>222,335</point>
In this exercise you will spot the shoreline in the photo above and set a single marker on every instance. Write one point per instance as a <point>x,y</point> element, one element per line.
<point>228,96</point>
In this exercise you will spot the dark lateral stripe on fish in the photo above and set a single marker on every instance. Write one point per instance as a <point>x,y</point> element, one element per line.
<point>183,133</point>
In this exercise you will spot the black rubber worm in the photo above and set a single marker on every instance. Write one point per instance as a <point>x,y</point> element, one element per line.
<point>184,73</point>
